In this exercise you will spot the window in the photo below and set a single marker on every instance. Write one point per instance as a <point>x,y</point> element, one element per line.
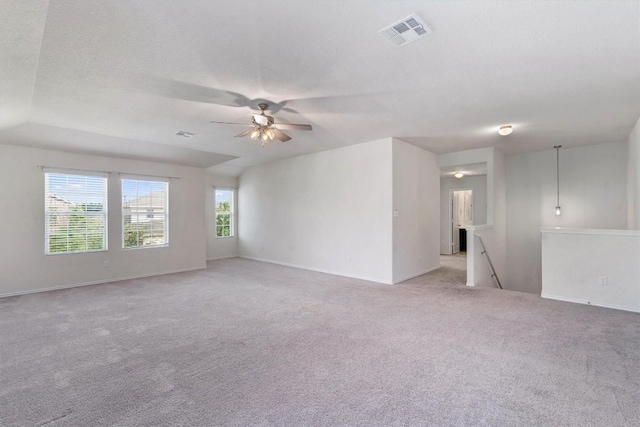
<point>75,212</point>
<point>223,201</point>
<point>144,213</point>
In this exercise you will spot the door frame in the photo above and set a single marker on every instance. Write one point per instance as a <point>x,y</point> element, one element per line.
<point>450,217</point>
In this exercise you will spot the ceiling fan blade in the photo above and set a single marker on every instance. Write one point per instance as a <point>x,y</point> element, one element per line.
<point>260,119</point>
<point>245,133</point>
<point>231,123</point>
<point>281,136</point>
<point>292,126</point>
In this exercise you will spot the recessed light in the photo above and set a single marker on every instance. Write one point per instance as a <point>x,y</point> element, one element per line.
<point>458,174</point>
<point>505,130</point>
<point>185,134</point>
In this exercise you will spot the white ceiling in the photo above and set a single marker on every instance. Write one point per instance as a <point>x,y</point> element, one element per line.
<point>121,78</point>
<point>471,169</point>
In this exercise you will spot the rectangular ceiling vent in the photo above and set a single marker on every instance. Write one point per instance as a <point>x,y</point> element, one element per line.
<point>185,134</point>
<point>409,29</point>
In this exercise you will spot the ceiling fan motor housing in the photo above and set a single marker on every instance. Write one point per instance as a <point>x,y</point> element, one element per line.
<point>262,120</point>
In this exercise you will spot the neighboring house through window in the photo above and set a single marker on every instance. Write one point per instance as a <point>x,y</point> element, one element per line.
<point>75,212</point>
<point>224,201</point>
<point>145,211</point>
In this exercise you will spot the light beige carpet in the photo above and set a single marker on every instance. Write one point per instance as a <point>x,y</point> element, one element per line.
<point>245,343</point>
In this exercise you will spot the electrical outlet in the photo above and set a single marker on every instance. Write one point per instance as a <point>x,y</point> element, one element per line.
<point>603,280</point>
<point>105,264</point>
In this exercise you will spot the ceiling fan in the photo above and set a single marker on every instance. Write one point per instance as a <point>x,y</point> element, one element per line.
<point>264,128</point>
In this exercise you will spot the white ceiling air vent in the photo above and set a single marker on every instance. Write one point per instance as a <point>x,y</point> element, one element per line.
<point>185,134</point>
<point>409,29</point>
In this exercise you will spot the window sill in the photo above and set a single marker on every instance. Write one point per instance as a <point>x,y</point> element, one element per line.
<point>77,252</point>
<point>133,248</point>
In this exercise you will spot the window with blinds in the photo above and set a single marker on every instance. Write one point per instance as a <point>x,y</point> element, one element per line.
<point>144,213</point>
<point>75,212</point>
<point>223,200</point>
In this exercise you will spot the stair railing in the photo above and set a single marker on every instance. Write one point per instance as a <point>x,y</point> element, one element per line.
<point>485,253</point>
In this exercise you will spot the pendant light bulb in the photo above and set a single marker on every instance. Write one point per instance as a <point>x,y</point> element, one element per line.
<point>558,210</point>
<point>255,134</point>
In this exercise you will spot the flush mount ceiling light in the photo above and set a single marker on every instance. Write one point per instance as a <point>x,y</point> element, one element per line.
<point>458,174</point>
<point>505,130</point>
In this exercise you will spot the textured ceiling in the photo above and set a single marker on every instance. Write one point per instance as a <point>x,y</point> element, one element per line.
<point>123,77</point>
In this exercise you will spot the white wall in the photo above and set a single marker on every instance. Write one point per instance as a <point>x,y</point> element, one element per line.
<point>478,269</point>
<point>23,265</point>
<point>633,178</point>
<point>329,211</point>
<point>593,182</point>
<point>497,246</point>
<point>416,219</point>
<point>227,247</point>
<point>479,186</point>
<point>574,261</point>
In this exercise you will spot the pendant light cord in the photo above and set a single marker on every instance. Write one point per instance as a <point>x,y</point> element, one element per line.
<point>557,147</point>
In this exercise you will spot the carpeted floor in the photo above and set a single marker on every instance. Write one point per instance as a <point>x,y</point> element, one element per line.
<point>245,343</point>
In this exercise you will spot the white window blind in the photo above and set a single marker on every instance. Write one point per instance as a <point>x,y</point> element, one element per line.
<point>223,199</point>
<point>145,213</point>
<point>75,212</point>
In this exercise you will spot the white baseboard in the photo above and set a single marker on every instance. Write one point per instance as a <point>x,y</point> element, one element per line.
<point>303,267</point>
<point>411,276</point>
<point>222,257</point>
<point>472,284</point>
<point>597,304</point>
<point>98,282</point>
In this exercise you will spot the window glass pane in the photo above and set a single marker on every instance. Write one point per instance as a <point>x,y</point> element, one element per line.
<point>75,213</point>
<point>224,203</point>
<point>144,213</point>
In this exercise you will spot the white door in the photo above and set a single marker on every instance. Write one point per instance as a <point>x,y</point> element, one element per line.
<point>455,222</point>
<point>468,207</point>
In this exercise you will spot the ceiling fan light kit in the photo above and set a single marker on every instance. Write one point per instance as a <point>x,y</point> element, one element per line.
<point>265,129</point>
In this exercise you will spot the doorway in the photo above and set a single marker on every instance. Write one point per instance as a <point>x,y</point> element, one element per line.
<point>474,178</point>
<point>461,216</point>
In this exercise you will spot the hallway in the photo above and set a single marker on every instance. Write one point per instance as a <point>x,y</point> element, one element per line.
<point>455,266</point>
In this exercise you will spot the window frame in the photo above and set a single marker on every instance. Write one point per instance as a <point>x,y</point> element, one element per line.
<point>102,214</point>
<point>144,213</point>
<point>232,213</point>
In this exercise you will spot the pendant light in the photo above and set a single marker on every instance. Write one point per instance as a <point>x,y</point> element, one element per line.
<point>557,147</point>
